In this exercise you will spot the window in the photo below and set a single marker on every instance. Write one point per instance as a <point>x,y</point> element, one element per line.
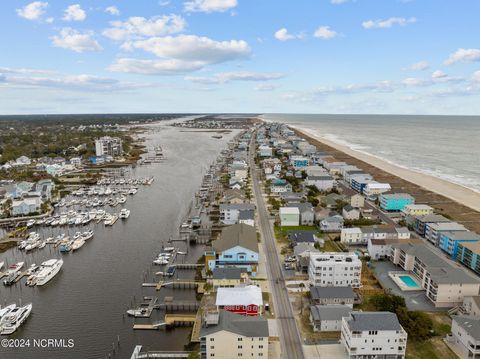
<point>239,339</point>
<point>212,339</point>
<point>239,347</point>
<point>212,347</point>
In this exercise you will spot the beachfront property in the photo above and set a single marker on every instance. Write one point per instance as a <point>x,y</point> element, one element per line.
<point>299,162</point>
<point>420,222</point>
<point>108,146</point>
<point>373,335</point>
<point>280,186</point>
<point>227,277</point>
<point>237,246</point>
<point>357,201</point>
<point>244,300</point>
<point>231,336</point>
<point>328,318</point>
<point>359,182</point>
<point>264,151</point>
<point>334,269</point>
<point>445,284</point>
<point>465,337</point>
<point>471,306</point>
<point>449,241</point>
<point>468,254</point>
<point>230,213</point>
<point>362,235</point>
<point>395,202</point>
<point>373,189</point>
<point>417,210</point>
<point>289,216</point>
<point>332,295</point>
<point>323,183</point>
<point>331,224</point>
<point>433,230</point>
<point>307,217</point>
<point>314,171</point>
<point>350,213</point>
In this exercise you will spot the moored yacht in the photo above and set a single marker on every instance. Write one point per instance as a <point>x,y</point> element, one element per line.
<point>88,235</point>
<point>48,270</point>
<point>77,244</point>
<point>124,213</point>
<point>5,310</point>
<point>13,273</point>
<point>14,319</point>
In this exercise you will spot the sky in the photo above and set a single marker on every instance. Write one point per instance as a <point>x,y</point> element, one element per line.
<point>256,56</point>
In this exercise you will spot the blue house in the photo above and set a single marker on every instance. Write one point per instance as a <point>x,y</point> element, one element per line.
<point>299,162</point>
<point>450,240</point>
<point>395,202</point>
<point>358,183</point>
<point>237,247</point>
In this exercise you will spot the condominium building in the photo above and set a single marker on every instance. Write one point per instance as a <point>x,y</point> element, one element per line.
<point>469,255</point>
<point>466,335</point>
<point>395,202</point>
<point>373,335</point>
<point>445,284</point>
<point>334,269</point>
<point>108,146</point>
<point>228,335</point>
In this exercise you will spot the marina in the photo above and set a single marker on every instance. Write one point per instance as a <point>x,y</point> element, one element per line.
<point>101,262</point>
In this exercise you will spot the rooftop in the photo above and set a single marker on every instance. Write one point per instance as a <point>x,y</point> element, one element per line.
<point>241,295</point>
<point>470,324</point>
<point>239,206</point>
<point>227,273</point>
<point>248,326</point>
<point>237,235</point>
<point>329,312</point>
<point>289,210</point>
<point>397,196</point>
<point>331,292</point>
<point>473,246</point>
<point>363,321</point>
<point>461,235</point>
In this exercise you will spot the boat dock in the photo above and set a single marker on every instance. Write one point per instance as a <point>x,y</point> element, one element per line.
<point>170,305</point>
<point>137,354</point>
<point>145,309</point>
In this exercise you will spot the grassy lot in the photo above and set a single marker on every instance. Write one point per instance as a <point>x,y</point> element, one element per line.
<point>330,246</point>
<point>306,328</point>
<point>283,231</point>
<point>433,348</point>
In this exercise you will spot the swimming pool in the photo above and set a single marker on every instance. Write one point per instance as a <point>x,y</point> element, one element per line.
<point>409,281</point>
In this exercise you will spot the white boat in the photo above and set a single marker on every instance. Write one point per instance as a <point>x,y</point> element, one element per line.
<point>132,191</point>
<point>77,244</point>
<point>13,273</point>
<point>5,310</point>
<point>77,235</point>
<point>181,253</point>
<point>169,249</point>
<point>161,261</point>
<point>31,223</point>
<point>48,270</point>
<point>110,221</point>
<point>88,235</point>
<point>124,213</point>
<point>32,268</point>
<point>42,244</point>
<point>14,319</point>
<point>31,245</point>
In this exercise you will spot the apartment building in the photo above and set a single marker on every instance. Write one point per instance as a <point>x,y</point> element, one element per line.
<point>334,269</point>
<point>466,335</point>
<point>108,146</point>
<point>373,335</point>
<point>445,284</point>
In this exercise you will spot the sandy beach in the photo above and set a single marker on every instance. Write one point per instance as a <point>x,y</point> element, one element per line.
<point>457,193</point>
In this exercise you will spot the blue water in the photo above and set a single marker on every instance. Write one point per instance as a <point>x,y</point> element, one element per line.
<point>409,282</point>
<point>442,146</point>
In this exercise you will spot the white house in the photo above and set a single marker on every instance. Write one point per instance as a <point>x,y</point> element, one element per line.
<point>230,212</point>
<point>335,269</point>
<point>351,235</point>
<point>316,171</point>
<point>373,189</point>
<point>26,206</point>
<point>466,335</point>
<point>417,210</point>
<point>328,318</point>
<point>350,213</point>
<point>289,216</point>
<point>265,151</point>
<point>373,335</point>
<point>323,183</point>
<point>357,201</point>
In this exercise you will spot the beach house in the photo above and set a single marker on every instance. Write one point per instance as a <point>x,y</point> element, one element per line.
<point>465,336</point>
<point>373,335</point>
<point>350,213</point>
<point>331,224</point>
<point>357,201</point>
<point>26,206</point>
<point>264,151</point>
<point>433,230</point>
<point>373,189</point>
<point>395,202</point>
<point>289,216</point>
<point>328,318</point>
<point>299,162</point>
<point>420,222</point>
<point>307,216</point>
<point>230,212</point>
<point>226,277</point>
<point>228,335</point>
<point>332,295</point>
<point>237,246</point>
<point>449,241</point>
<point>417,210</point>
<point>280,186</point>
<point>322,183</point>
<point>244,300</point>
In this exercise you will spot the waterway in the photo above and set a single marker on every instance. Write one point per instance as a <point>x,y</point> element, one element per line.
<point>87,300</point>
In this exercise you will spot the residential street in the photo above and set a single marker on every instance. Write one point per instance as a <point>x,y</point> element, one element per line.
<point>290,340</point>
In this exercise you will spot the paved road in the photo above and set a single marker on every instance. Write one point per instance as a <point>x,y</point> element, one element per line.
<point>288,331</point>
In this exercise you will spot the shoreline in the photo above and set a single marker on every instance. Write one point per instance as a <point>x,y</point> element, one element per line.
<point>460,203</point>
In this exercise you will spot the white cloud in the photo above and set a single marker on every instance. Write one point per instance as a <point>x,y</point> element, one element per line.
<point>137,27</point>
<point>266,87</point>
<point>192,48</point>
<point>33,11</point>
<point>476,76</point>
<point>225,77</point>
<point>154,67</point>
<point>112,10</point>
<point>463,55</point>
<point>74,13</point>
<point>438,74</point>
<point>209,5</point>
<point>387,23</point>
<point>324,32</point>
<point>164,3</point>
<point>284,35</point>
<point>76,41</point>
<point>52,79</point>
<point>419,66</point>
<point>338,2</point>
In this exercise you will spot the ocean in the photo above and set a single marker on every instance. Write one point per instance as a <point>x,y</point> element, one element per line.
<point>447,147</point>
